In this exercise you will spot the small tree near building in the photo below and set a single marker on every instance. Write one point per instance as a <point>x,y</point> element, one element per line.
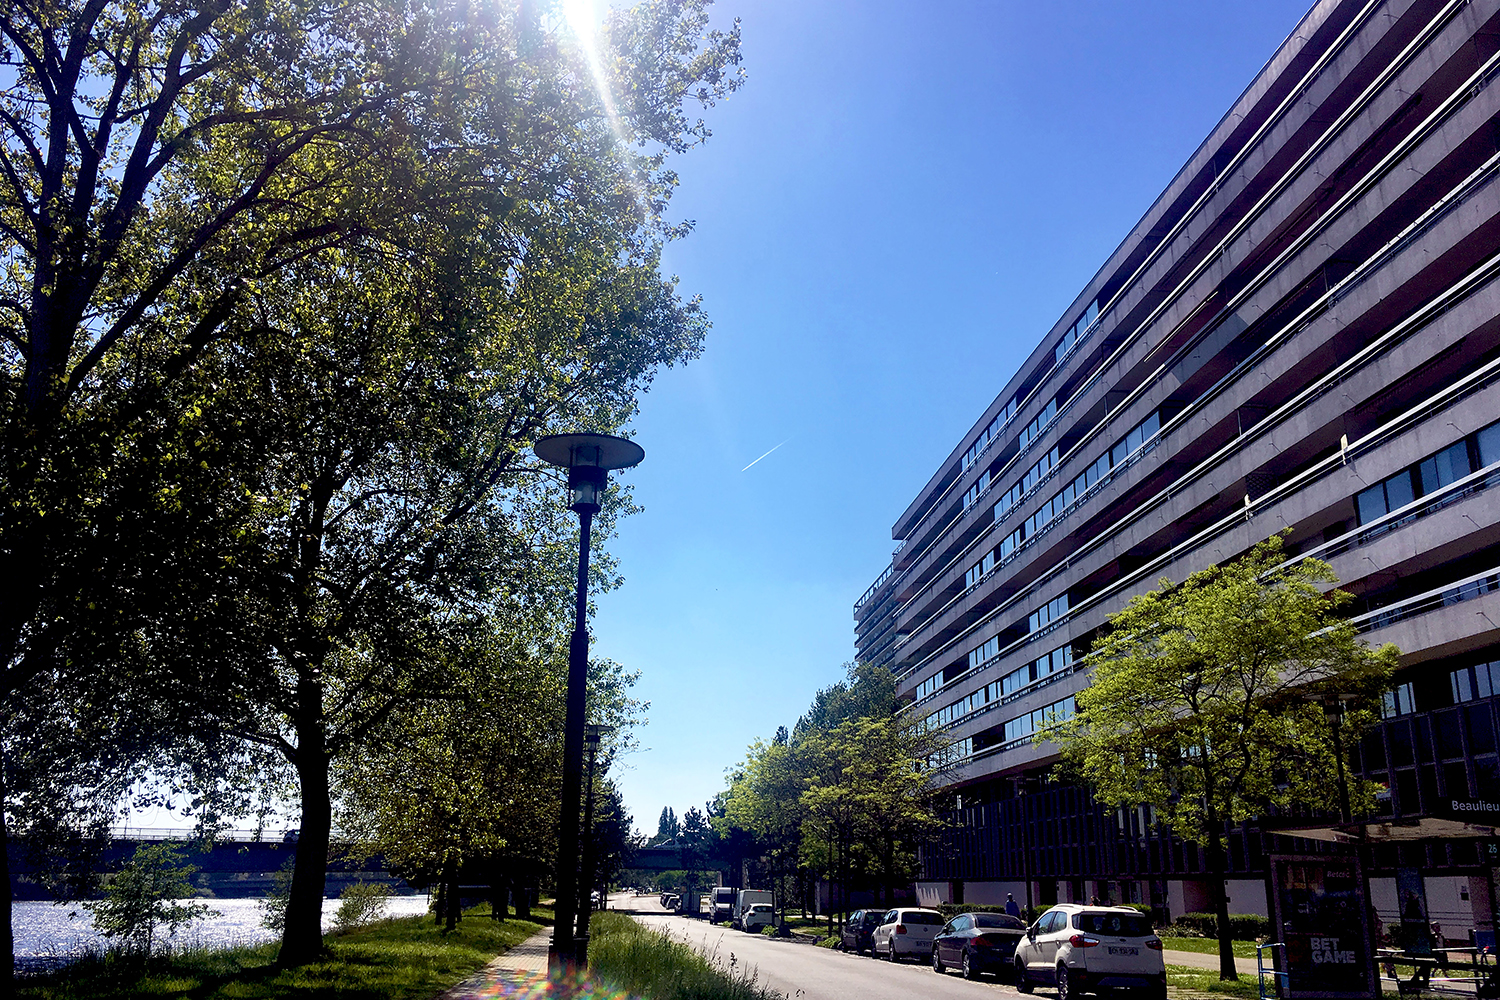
<point>1204,703</point>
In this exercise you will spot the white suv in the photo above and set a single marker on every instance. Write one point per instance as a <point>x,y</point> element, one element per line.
<point>759,915</point>
<point>905,932</point>
<point>1091,949</point>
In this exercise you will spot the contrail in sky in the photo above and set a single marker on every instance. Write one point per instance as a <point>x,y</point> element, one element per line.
<point>763,456</point>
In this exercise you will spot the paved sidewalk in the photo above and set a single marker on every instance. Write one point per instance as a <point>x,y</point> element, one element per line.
<point>520,972</point>
<point>1202,960</point>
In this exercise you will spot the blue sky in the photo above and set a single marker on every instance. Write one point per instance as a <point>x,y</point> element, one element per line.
<point>900,202</point>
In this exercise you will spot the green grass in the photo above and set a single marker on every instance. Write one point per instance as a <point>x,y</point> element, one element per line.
<point>1206,946</point>
<point>1207,981</point>
<point>404,959</point>
<point>625,956</point>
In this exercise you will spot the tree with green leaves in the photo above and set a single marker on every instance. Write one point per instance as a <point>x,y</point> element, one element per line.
<point>147,894</point>
<point>1205,702</point>
<point>207,207</point>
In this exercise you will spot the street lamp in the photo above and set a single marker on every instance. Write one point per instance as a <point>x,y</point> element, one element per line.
<point>593,733</point>
<point>589,458</point>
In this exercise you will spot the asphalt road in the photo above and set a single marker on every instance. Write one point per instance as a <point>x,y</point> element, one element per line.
<point>802,971</point>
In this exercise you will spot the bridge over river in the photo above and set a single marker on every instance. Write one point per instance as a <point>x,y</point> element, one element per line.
<point>237,865</point>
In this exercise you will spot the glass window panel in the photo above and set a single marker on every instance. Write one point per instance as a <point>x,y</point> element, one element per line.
<point>1449,743</point>
<point>1398,491</point>
<point>1485,676</point>
<point>1462,686</point>
<point>1406,793</point>
<point>1399,734</point>
<point>1447,466</point>
<point>1489,444</point>
<point>1373,748</point>
<point>1371,503</point>
<point>1424,736</point>
<point>1456,779</point>
<point>1481,732</point>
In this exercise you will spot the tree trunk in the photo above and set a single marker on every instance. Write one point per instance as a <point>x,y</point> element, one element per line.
<point>302,936</point>
<point>499,886</point>
<point>449,910</point>
<point>522,887</point>
<point>1217,866</point>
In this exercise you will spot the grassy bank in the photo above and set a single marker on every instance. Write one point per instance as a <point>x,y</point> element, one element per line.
<point>625,956</point>
<point>405,959</point>
<point>1207,946</point>
<point>1207,981</point>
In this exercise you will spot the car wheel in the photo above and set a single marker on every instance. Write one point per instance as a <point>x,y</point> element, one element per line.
<point>1065,990</point>
<point>890,953</point>
<point>1023,982</point>
<point>970,970</point>
<point>937,961</point>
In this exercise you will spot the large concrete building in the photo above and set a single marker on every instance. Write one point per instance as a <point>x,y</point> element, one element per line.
<point>1301,333</point>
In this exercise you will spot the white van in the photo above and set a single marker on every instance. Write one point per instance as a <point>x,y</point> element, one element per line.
<point>746,899</point>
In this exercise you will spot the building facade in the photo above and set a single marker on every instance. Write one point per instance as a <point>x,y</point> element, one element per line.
<point>1302,333</point>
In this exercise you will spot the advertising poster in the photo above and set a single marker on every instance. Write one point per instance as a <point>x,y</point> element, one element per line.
<point>1320,911</point>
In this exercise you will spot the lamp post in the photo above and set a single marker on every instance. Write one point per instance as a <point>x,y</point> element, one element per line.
<point>593,733</point>
<point>589,458</point>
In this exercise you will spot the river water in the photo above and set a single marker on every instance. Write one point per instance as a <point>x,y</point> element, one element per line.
<point>50,934</point>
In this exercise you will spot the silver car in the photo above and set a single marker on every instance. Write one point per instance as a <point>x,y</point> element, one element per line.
<point>906,932</point>
<point>1092,949</point>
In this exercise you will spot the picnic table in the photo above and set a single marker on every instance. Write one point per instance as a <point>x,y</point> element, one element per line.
<point>1473,972</point>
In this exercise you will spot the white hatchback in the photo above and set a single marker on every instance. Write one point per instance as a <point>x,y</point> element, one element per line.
<point>903,933</point>
<point>1092,949</point>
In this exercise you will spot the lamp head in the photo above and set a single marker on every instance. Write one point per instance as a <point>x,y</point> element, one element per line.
<point>589,458</point>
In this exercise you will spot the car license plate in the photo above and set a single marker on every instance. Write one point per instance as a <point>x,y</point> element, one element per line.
<point>1116,950</point>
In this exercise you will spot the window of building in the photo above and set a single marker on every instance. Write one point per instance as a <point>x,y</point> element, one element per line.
<point>1032,722</point>
<point>973,492</point>
<point>979,570</point>
<point>1047,613</point>
<point>1478,681</point>
<point>1038,424</point>
<point>1429,475</point>
<point>929,686</point>
<point>1078,331</point>
<point>985,653</point>
<point>1398,702</point>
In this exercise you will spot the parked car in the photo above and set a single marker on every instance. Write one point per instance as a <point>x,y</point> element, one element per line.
<point>858,927</point>
<point>976,943</point>
<point>757,916</point>
<point>903,933</point>
<point>743,900</point>
<point>1091,949</point>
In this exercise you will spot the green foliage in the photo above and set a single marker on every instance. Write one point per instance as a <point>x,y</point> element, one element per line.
<point>361,903</point>
<point>1204,703</point>
<point>405,959</point>
<point>146,894</point>
<point>291,289</point>
<point>627,957</point>
<point>847,793</point>
<point>273,906</point>
<point>830,941</point>
<point>1242,926</point>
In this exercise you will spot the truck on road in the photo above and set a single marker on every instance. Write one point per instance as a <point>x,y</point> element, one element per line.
<point>721,904</point>
<point>745,899</point>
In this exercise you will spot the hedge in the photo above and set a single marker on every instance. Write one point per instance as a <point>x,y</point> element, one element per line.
<point>1242,926</point>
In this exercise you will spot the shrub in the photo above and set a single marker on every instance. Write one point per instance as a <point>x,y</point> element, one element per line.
<point>831,941</point>
<point>950,910</point>
<point>1242,926</point>
<point>360,903</point>
<point>144,895</point>
<point>273,907</point>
